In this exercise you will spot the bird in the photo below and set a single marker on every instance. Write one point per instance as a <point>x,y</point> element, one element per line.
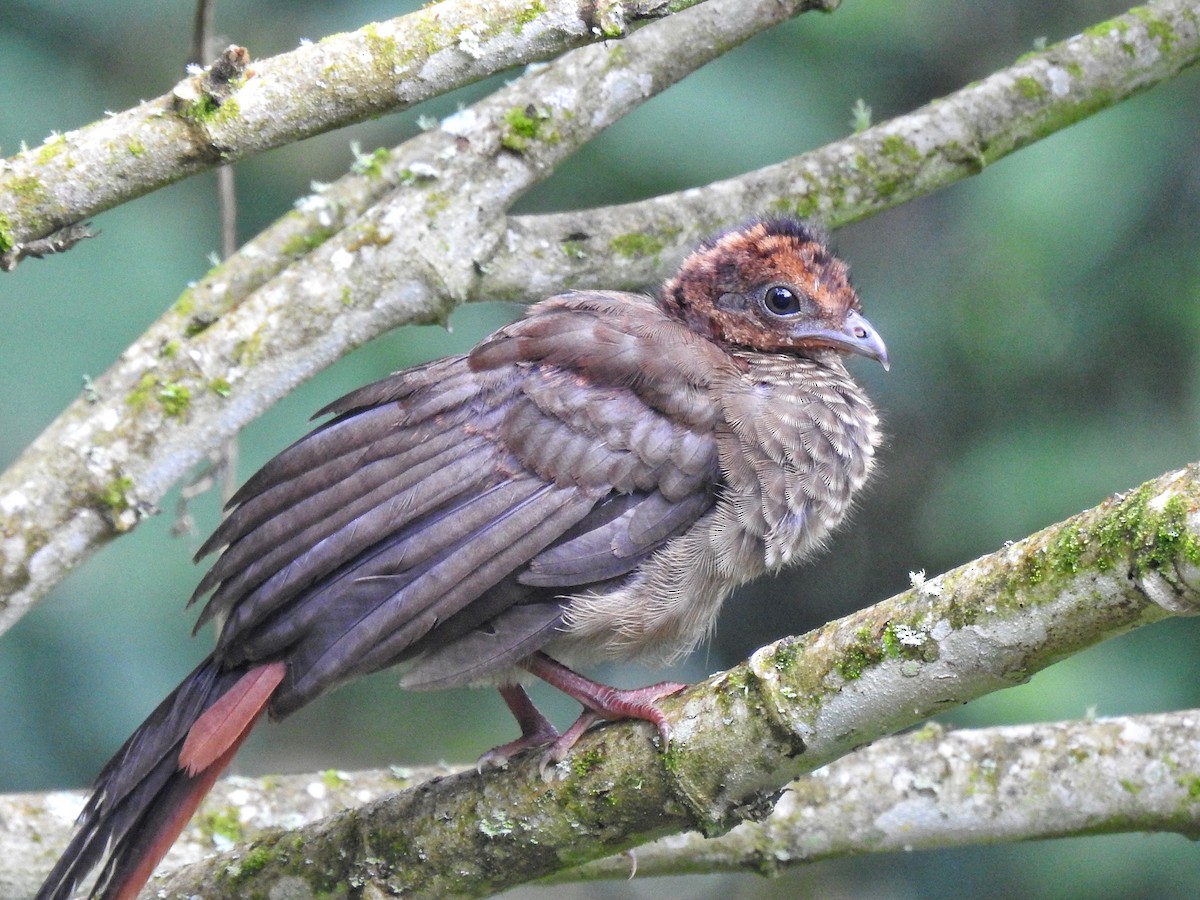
<point>589,483</point>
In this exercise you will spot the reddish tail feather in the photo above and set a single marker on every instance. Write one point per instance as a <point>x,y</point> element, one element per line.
<point>152,786</point>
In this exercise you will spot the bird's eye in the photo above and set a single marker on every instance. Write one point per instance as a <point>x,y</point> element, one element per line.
<point>781,301</point>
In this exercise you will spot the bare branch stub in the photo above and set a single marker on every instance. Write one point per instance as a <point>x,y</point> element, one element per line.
<point>59,242</point>
<point>207,91</point>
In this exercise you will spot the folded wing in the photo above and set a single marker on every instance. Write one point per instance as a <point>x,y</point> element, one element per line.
<point>446,513</point>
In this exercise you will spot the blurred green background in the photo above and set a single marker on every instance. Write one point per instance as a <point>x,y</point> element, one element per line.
<point>1043,320</point>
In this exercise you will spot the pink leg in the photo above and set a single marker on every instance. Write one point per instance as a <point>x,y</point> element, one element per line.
<point>600,701</point>
<point>536,730</point>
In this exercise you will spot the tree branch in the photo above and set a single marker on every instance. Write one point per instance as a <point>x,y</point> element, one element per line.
<point>910,156</point>
<point>743,735</point>
<point>632,245</point>
<point>345,78</point>
<point>930,789</point>
<point>934,789</point>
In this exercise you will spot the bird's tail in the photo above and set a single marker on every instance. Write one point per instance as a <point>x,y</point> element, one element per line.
<point>145,795</point>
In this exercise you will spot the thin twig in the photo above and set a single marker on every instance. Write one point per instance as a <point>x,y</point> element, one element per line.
<point>202,33</point>
<point>222,462</point>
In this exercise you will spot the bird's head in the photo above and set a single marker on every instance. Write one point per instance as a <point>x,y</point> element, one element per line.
<point>774,286</point>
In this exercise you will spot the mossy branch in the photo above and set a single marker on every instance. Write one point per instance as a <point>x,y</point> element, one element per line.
<point>950,139</point>
<point>742,736</point>
<point>934,789</point>
<point>343,79</point>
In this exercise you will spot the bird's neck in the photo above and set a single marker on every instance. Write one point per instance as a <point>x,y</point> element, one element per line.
<point>802,438</point>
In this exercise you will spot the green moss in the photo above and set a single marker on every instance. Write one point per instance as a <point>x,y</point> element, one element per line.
<point>203,109</point>
<point>185,304</point>
<point>1193,787</point>
<point>115,494</point>
<point>1129,535</point>
<point>408,176</point>
<point>802,207</point>
<point>136,148</point>
<point>890,643</point>
<point>175,399</point>
<point>28,191</point>
<point>220,387</point>
<point>785,655</point>
<point>371,164</point>
<point>254,861</point>
<point>737,681</point>
<point>891,175</point>
<point>928,733</point>
<point>636,244</point>
<point>1104,29</point>
<point>306,241</point>
<point>383,49</point>
<point>672,759</point>
<point>332,778</point>
<point>1030,87</point>
<point>52,148</point>
<point>248,352</point>
<point>860,655</point>
<point>436,202</point>
<point>899,150</point>
<point>1164,538</point>
<point>573,250</point>
<point>895,641</point>
<point>961,616</point>
<point>433,35</point>
<point>1130,787</point>
<point>523,126</point>
<point>584,763</point>
<point>27,186</point>
<point>529,14</point>
<point>169,350</point>
<point>207,110</point>
<point>1157,538</point>
<point>346,298</point>
<point>6,234</point>
<point>199,323</point>
<point>369,235</point>
<point>142,391</point>
<point>611,28</point>
<point>223,823</point>
<point>498,825</point>
<point>1158,29</point>
<point>853,663</point>
<point>986,774</point>
<point>229,109</point>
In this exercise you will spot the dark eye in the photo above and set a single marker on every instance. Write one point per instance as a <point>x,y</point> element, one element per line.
<point>781,301</point>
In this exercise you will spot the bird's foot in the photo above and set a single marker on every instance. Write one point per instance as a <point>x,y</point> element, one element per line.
<point>601,702</point>
<point>536,729</point>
